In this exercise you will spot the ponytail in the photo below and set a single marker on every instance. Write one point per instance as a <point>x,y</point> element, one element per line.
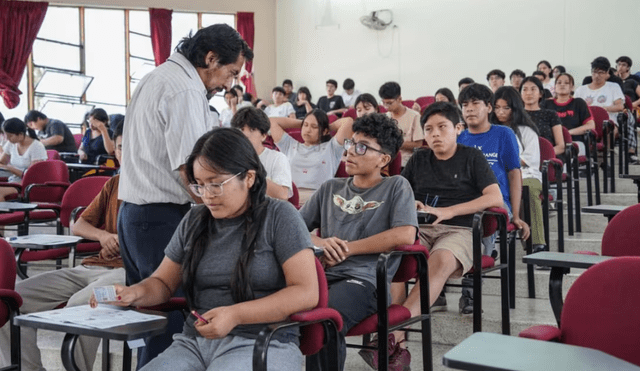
<point>32,134</point>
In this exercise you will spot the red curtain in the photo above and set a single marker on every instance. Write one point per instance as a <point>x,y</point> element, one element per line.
<point>160,34</point>
<point>246,30</point>
<point>20,22</point>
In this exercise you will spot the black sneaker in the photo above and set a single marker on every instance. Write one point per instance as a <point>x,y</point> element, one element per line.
<point>440,304</point>
<point>466,299</point>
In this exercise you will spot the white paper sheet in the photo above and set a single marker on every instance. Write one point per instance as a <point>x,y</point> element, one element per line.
<point>104,316</point>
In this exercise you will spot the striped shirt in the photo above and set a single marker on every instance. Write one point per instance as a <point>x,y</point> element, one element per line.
<point>168,112</point>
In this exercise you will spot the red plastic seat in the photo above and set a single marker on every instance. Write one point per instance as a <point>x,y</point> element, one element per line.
<point>295,134</point>
<point>408,103</point>
<point>342,171</point>
<point>295,198</point>
<point>425,101</point>
<point>332,118</point>
<point>621,235</point>
<point>10,301</point>
<point>601,311</point>
<point>551,167</point>
<point>351,112</point>
<point>52,154</point>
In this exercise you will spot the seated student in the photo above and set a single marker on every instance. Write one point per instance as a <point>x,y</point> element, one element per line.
<point>21,150</point>
<point>332,104</point>
<point>97,139</point>
<point>516,78</point>
<point>445,95</point>
<point>242,259</point>
<point>630,83</point>
<point>241,101</point>
<point>54,134</point>
<point>408,119</point>
<point>573,112</point>
<point>280,107</point>
<point>289,95</point>
<point>317,159</point>
<point>557,70</point>
<point>350,93</point>
<point>365,104</point>
<point>495,79</point>
<point>303,104</point>
<point>546,94</point>
<point>547,120</point>
<point>358,218</point>
<point>231,98</point>
<point>508,110</point>
<point>255,125</point>
<point>464,82</point>
<point>451,182</point>
<point>74,285</point>
<point>548,81</point>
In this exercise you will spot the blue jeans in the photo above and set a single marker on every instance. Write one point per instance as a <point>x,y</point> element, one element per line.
<point>144,231</point>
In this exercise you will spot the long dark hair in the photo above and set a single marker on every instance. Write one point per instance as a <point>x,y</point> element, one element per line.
<point>16,126</point>
<point>323,123</point>
<point>519,117</point>
<point>226,150</point>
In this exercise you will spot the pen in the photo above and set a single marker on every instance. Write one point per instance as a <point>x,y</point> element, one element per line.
<point>199,317</point>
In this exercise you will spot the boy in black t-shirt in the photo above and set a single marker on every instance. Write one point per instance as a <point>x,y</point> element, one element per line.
<point>450,182</point>
<point>332,104</point>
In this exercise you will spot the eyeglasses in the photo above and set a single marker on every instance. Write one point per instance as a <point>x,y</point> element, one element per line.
<point>213,189</point>
<point>360,148</point>
<point>598,72</point>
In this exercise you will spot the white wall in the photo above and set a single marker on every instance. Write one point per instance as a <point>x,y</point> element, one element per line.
<point>437,42</point>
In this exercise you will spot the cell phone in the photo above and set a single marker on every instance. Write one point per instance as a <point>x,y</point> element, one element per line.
<point>199,317</point>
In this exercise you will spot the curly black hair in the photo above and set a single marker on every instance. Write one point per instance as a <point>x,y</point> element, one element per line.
<point>383,129</point>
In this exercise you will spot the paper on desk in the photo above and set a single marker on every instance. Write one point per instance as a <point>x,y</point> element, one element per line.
<point>104,316</point>
<point>43,239</point>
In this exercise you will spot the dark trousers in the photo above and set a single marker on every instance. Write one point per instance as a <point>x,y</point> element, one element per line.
<point>143,232</point>
<point>355,300</point>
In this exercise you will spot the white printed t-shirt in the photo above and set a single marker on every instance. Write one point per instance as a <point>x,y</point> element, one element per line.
<point>35,152</point>
<point>603,97</point>
<point>311,165</point>
<point>283,110</point>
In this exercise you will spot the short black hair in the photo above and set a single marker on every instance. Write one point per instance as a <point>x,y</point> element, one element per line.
<point>517,72</point>
<point>239,87</point>
<point>465,80</point>
<point>100,115</point>
<point>366,98</point>
<point>253,118</point>
<point>560,68</point>
<point>221,39</point>
<point>117,131</point>
<point>383,129</point>
<point>496,72</point>
<point>287,81</point>
<point>475,92</point>
<point>34,115</point>
<point>348,84</point>
<point>539,73</point>
<point>247,97</point>
<point>305,90</point>
<point>332,82</point>
<point>232,92</point>
<point>446,109</point>
<point>447,93</point>
<point>279,89</point>
<point>601,63</point>
<point>625,59</point>
<point>390,90</point>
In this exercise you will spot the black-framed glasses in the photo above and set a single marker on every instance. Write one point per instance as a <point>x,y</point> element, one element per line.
<point>213,189</point>
<point>360,148</point>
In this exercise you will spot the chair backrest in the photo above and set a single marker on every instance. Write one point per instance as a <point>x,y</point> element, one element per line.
<point>342,171</point>
<point>7,277</point>
<point>628,103</point>
<point>408,103</point>
<point>599,115</point>
<point>295,198</point>
<point>312,336</point>
<point>382,109</point>
<point>332,118</point>
<point>42,172</point>
<point>621,238</point>
<point>78,139</point>
<point>52,154</point>
<point>295,134</point>
<point>351,112</point>
<point>601,309</point>
<point>395,166</point>
<point>566,135</point>
<point>547,153</point>
<point>425,101</point>
<point>80,193</point>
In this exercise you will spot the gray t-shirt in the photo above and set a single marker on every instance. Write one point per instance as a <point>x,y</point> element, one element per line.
<point>57,127</point>
<point>283,234</point>
<point>342,210</point>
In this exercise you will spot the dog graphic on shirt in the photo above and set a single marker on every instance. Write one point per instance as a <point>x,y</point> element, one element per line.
<point>356,205</point>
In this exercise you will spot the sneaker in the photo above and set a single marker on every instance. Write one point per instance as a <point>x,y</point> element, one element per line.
<point>440,304</point>
<point>370,356</point>
<point>466,299</point>
<point>541,248</point>
<point>400,360</point>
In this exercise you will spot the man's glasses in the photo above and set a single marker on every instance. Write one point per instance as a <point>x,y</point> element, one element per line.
<point>360,148</point>
<point>213,189</point>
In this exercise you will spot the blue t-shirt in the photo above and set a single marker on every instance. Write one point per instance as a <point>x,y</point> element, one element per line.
<point>500,147</point>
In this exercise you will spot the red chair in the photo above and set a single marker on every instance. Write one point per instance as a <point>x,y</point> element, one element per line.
<point>600,311</point>
<point>10,301</point>
<point>382,109</point>
<point>332,118</point>
<point>395,166</point>
<point>52,154</point>
<point>78,139</point>
<point>342,171</point>
<point>604,129</point>
<point>573,182</point>
<point>295,198</point>
<point>425,101</point>
<point>621,237</point>
<point>551,168</point>
<point>351,112</point>
<point>413,266</point>
<point>315,325</point>
<point>295,134</point>
<point>408,103</point>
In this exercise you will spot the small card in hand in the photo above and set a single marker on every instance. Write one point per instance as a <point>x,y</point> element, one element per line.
<point>104,294</point>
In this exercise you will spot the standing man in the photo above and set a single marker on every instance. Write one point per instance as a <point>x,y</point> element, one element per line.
<point>54,134</point>
<point>169,111</point>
